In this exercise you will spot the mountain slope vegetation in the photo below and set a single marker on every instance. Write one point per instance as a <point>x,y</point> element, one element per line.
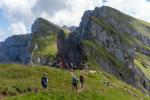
<point>18,82</point>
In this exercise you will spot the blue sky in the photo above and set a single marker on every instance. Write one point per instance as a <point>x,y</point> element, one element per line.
<point>17,16</point>
<point>4,23</point>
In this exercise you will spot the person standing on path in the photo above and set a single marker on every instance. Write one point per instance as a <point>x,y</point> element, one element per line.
<point>81,80</point>
<point>74,83</point>
<point>44,81</point>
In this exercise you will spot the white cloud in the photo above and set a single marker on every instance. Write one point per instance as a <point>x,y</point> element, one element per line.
<point>3,35</point>
<point>49,6</point>
<point>57,11</point>
<point>22,13</point>
<point>16,10</point>
<point>72,15</point>
<point>17,28</point>
<point>136,8</point>
<point>74,9</point>
<point>67,12</point>
<point>19,16</point>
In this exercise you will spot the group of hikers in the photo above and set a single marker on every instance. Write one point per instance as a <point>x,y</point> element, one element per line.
<point>75,81</point>
<point>71,67</point>
<point>64,64</point>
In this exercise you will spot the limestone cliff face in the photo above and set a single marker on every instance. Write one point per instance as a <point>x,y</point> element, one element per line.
<point>15,49</point>
<point>115,41</point>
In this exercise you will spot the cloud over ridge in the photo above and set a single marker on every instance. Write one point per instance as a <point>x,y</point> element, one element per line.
<point>21,13</point>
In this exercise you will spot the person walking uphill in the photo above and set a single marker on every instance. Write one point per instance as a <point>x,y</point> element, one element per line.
<point>81,80</point>
<point>44,81</point>
<point>74,83</point>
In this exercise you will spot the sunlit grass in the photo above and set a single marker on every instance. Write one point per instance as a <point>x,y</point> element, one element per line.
<point>19,82</point>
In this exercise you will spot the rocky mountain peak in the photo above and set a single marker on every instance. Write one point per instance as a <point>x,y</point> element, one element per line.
<point>43,26</point>
<point>70,29</point>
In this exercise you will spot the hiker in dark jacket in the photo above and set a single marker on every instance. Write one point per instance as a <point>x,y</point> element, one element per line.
<point>44,81</point>
<point>74,83</point>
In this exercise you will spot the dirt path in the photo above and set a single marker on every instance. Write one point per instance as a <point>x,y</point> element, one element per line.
<point>80,90</point>
<point>1,97</point>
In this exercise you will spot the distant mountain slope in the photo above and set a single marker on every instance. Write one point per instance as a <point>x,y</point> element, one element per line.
<point>15,49</point>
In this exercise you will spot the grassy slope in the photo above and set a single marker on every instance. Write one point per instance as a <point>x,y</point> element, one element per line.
<point>126,39</point>
<point>47,45</point>
<point>46,40</point>
<point>133,23</point>
<point>20,79</point>
<point>143,63</point>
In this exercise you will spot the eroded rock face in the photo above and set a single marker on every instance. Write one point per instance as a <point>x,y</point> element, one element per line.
<point>115,35</point>
<point>15,49</point>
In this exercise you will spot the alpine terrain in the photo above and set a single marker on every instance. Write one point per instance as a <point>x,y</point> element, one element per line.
<point>115,45</point>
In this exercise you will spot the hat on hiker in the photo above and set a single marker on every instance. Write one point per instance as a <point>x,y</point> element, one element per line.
<point>45,74</point>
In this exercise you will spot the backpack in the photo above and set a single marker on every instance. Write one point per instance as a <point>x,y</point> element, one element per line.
<point>75,80</point>
<point>44,80</point>
<point>81,77</point>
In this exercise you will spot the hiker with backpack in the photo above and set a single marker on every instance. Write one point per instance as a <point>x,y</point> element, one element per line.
<point>44,81</point>
<point>81,80</point>
<point>74,83</point>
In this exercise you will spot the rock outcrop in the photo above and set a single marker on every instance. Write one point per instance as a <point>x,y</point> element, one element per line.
<point>72,28</point>
<point>15,49</point>
<point>45,42</point>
